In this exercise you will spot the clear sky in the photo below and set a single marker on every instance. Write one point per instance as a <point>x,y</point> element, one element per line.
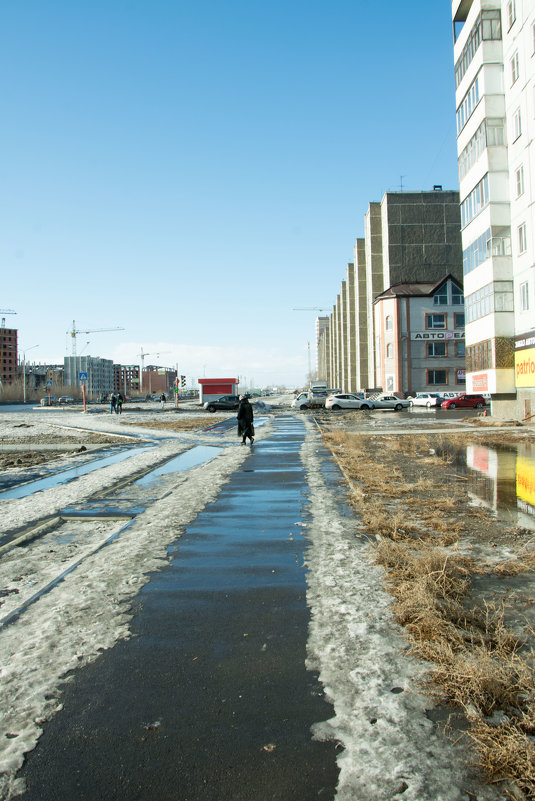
<point>192,171</point>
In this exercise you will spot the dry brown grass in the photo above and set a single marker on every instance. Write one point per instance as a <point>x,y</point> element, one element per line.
<point>177,424</point>
<point>418,511</point>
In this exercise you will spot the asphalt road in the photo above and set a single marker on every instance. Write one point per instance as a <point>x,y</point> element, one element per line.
<point>210,698</point>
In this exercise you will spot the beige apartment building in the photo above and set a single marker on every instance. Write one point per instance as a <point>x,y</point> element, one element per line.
<point>409,238</point>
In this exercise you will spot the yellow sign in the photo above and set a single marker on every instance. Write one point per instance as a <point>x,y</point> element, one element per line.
<point>525,480</point>
<point>525,368</point>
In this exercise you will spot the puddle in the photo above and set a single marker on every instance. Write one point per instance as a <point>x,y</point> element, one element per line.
<point>195,456</point>
<point>502,479</point>
<point>63,477</point>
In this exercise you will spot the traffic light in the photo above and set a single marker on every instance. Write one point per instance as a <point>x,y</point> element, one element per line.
<point>182,381</point>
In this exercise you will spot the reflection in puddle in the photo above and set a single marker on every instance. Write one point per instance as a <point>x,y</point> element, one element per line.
<point>503,480</point>
<point>191,458</point>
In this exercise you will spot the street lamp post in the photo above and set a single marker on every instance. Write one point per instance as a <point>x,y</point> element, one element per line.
<point>24,371</point>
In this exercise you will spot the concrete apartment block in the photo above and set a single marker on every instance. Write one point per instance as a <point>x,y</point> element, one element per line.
<point>495,101</point>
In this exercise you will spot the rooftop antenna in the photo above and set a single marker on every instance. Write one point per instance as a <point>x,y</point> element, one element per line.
<point>401,177</point>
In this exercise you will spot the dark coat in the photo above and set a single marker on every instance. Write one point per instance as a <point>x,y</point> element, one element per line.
<point>245,419</point>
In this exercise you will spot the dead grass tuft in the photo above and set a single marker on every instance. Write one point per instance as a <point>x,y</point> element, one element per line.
<point>177,424</point>
<point>419,510</point>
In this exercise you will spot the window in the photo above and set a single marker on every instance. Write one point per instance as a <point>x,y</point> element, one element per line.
<point>519,178</point>
<point>524,296</point>
<point>494,297</point>
<point>467,107</point>
<point>440,298</point>
<point>487,26</point>
<point>435,321</point>
<point>477,252</point>
<point>388,323</point>
<point>458,320</point>
<point>389,351</point>
<point>480,357</point>
<point>457,296</point>
<point>460,349</point>
<point>437,377</point>
<point>436,349</point>
<point>494,129</point>
<point>517,125</point>
<point>460,376</point>
<point>514,68</point>
<point>511,13</point>
<point>476,200</point>
<point>522,241</point>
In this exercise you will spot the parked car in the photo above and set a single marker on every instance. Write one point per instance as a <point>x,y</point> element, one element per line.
<point>427,399</point>
<point>309,400</point>
<point>390,402</point>
<point>348,401</point>
<point>65,399</point>
<point>225,402</point>
<point>464,401</point>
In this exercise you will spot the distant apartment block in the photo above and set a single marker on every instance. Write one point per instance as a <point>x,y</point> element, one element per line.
<point>99,374</point>
<point>410,238</point>
<point>125,378</point>
<point>8,354</point>
<point>158,379</point>
<point>494,53</point>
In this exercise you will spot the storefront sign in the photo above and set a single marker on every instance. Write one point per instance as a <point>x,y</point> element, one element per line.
<point>480,382</point>
<point>437,335</point>
<point>525,360</point>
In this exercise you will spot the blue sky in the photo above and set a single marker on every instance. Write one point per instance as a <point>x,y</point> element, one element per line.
<point>192,172</point>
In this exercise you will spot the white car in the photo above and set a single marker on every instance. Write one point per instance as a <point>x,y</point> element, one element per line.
<point>348,401</point>
<point>390,402</point>
<point>428,399</point>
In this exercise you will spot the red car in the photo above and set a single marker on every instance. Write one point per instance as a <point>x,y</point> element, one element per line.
<point>464,401</point>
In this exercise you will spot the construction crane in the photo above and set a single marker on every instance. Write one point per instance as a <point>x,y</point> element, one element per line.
<point>75,331</point>
<point>6,311</point>
<point>141,356</point>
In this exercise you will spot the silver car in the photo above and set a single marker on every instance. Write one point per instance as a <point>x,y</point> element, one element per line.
<point>428,399</point>
<point>390,402</point>
<point>348,401</point>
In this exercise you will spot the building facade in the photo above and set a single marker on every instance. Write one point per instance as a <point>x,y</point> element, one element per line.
<point>409,237</point>
<point>419,337</point>
<point>99,374</point>
<point>494,53</point>
<point>126,378</point>
<point>8,354</point>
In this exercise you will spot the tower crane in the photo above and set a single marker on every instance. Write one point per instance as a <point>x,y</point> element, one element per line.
<point>6,311</point>
<point>309,308</point>
<point>141,356</point>
<point>75,331</point>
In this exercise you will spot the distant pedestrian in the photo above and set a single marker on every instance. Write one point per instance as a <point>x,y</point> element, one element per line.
<point>162,400</point>
<point>245,420</point>
<point>113,403</point>
<point>119,408</point>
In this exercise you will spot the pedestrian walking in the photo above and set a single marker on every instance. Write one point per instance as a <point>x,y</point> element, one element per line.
<point>113,403</point>
<point>162,400</point>
<point>245,420</point>
<point>119,408</point>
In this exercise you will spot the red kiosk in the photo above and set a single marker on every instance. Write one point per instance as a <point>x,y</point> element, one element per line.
<point>213,388</point>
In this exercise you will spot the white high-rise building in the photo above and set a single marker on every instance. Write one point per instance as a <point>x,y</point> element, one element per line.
<point>494,54</point>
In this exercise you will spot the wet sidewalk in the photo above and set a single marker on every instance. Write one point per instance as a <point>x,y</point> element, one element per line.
<point>210,698</point>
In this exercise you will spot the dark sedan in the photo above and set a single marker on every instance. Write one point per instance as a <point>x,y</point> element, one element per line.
<point>225,403</point>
